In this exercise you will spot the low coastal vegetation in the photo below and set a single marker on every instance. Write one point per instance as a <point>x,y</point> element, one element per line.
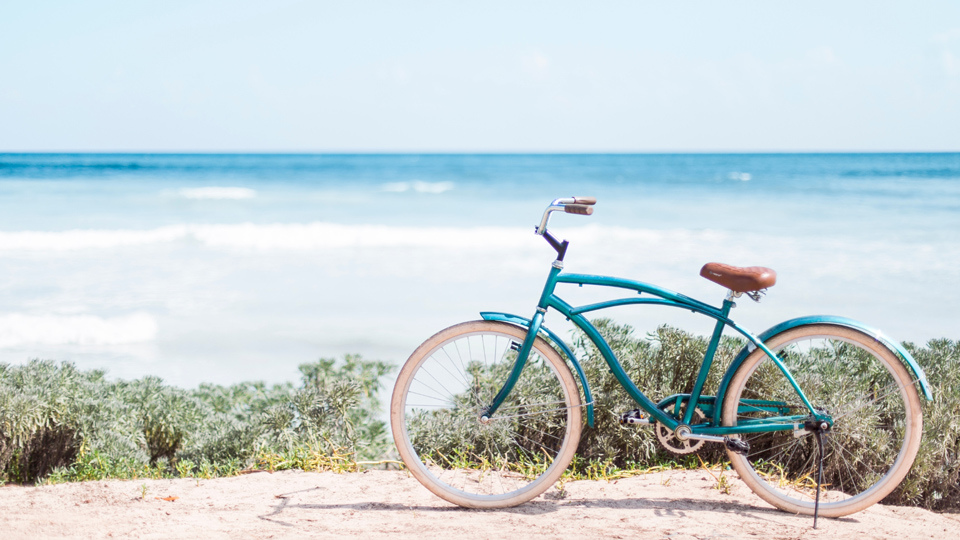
<point>667,362</point>
<point>58,423</point>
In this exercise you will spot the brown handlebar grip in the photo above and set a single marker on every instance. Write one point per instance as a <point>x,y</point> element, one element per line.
<point>589,201</point>
<point>581,209</point>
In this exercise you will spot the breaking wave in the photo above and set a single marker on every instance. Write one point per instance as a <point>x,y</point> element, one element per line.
<point>418,186</point>
<point>234,193</point>
<point>18,329</point>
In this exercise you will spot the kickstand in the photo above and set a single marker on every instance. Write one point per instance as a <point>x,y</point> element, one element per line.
<point>816,504</point>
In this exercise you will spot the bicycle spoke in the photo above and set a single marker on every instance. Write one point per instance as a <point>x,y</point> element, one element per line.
<point>895,388</point>
<point>844,377</point>
<point>449,393</point>
<point>519,452</point>
<point>461,375</point>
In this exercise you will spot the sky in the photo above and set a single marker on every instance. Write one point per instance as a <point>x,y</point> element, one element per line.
<point>492,76</point>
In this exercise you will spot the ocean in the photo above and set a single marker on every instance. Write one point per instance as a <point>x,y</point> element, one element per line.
<point>226,268</point>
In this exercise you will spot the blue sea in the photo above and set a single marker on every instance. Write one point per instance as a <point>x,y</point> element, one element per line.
<point>223,268</point>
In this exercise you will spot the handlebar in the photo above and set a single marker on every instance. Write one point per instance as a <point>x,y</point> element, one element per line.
<point>581,209</point>
<point>573,205</point>
<point>589,201</point>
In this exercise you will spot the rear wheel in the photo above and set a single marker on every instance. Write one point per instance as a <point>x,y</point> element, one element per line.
<point>440,395</point>
<point>867,391</point>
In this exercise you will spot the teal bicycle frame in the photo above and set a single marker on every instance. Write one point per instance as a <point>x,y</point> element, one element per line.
<point>709,405</point>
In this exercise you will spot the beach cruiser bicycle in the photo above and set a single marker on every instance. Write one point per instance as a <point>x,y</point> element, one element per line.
<point>817,414</point>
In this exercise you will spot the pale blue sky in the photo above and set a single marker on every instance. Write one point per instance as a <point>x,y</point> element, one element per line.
<point>479,76</point>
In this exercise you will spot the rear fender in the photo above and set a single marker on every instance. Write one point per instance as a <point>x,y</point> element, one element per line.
<point>905,357</point>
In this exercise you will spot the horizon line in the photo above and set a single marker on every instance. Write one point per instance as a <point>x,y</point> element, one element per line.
<point>465,152</point>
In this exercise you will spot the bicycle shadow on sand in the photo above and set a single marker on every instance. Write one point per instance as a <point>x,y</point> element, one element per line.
<point>659,506</point>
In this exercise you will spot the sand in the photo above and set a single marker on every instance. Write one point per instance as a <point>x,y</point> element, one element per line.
<point>391,504</point>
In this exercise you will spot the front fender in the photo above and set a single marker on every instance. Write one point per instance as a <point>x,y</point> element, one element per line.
<point>905,357</point>
<point>525,323</point>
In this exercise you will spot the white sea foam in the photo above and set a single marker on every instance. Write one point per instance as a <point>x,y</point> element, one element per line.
<point>88,239</point>
<point>214,192</point>
<point>18,329</point>
<point>330,235</point>
<point>324,285</point>
<point>617,246</point>
<point>418,186</point>
<point>297,236</point>
<point>321,235</point>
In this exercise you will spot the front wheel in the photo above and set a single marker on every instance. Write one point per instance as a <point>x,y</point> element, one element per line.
<point>857,381</point>
<point>442,392</point>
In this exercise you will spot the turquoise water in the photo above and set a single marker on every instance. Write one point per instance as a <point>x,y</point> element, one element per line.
<point>233,267</point>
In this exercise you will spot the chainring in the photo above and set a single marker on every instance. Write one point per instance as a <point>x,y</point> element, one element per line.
<point>675,446</point>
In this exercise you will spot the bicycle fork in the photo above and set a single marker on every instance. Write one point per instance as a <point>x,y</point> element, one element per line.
<point>522,355</point>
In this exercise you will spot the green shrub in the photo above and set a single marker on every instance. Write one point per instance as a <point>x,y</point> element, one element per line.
<point>663,363</point>
<point>667,362</point>
<point>934,480</point>
<point>68,424</point>
<point>64,424</point>
<point>49,413</point>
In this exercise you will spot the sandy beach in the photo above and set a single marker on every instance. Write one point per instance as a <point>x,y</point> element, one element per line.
<point>390,504</point>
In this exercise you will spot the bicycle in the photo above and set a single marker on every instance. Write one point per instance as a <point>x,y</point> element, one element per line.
<point>487,414</point>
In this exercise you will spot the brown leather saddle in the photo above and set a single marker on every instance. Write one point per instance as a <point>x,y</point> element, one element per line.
<point>737,279</point>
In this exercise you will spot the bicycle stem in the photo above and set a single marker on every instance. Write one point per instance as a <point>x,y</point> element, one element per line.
<point>560,247</point>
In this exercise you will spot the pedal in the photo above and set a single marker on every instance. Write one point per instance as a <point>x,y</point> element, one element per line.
<point>737,446</point>
<point>634,417</point>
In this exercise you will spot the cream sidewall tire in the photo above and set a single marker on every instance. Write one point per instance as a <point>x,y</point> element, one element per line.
<point>913,422</point>
<point>448,493</point>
